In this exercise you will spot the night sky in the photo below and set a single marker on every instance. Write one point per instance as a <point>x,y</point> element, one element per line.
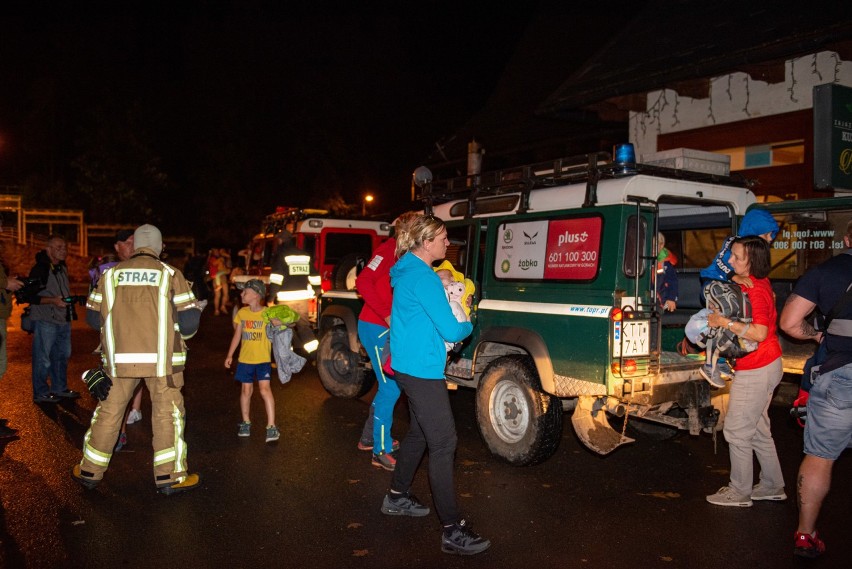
<point>201,116</point>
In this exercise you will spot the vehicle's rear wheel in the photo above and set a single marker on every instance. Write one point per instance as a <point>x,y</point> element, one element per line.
<point>341,370</point>
<point>518,422</point>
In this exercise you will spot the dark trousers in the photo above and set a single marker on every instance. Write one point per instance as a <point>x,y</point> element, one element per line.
<point>432,427</point>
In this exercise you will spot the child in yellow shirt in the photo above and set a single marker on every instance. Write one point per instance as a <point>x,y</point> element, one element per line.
<point>255,360</point>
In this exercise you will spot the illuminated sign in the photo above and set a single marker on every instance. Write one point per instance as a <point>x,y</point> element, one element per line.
<point>832,137</point>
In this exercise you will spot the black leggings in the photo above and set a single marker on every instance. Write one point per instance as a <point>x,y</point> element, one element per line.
<point>432,427</point>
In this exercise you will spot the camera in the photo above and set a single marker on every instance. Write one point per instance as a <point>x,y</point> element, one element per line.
<point>30,288</point>
<point>70,312</point>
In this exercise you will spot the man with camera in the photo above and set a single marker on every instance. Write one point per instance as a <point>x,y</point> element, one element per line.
<point>52,310</point>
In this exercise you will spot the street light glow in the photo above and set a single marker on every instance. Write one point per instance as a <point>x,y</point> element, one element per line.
<point>367,199</point>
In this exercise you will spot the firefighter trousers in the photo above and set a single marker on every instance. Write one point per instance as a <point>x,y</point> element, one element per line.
<point>167,423</point>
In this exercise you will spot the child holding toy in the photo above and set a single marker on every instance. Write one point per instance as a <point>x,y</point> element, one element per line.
<point>254,361</point>
<point>459,293</point>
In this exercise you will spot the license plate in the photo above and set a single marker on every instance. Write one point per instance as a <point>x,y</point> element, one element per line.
<point>631,338</point>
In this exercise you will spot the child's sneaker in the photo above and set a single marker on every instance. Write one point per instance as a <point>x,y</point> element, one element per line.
<point>808,545</point>
<point>384,460</point>
<point>122,441</point>
<point>724,369</point>
<point>272,433</point>
<point>245,429</point>
<point>713,376</point>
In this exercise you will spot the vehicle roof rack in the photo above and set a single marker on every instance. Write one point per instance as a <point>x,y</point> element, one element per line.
<point>589,168</point>
<point>284,216</point>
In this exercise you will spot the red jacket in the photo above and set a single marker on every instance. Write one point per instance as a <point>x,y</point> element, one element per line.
<point>373,284</point>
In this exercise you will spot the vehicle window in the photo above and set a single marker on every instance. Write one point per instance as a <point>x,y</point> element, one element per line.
<point>309,245</point>
<point>565,249</point>
<point>630,248</point>
<point>268,246</point>
<point>806,239</point>
<point>459,251</point>
<point>338,245</point>
<point>700,246</point>
<point>486,206</point>
<point>694,232</point>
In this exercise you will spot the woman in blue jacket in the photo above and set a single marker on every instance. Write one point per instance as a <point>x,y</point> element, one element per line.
<point>421,319</point>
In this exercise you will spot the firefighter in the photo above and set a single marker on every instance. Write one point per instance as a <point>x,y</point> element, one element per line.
<point>144,310</point>
<point>291,283</point>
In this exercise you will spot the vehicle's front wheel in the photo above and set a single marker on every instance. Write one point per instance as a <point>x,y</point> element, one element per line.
<point>518,422</point>
<point>341,370</point>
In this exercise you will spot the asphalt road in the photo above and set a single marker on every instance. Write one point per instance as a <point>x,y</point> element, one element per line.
<point>312,499</point>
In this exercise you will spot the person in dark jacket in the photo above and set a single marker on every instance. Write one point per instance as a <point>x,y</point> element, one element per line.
<point>828,430</point>
<point>51,316</point>
<point>291,283</point>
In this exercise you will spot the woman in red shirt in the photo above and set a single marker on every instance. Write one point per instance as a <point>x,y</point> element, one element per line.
<point>757,375</point>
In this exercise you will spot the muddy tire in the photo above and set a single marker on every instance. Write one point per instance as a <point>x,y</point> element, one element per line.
<point>341,370</point>
<point>345,272</point>
<point>518,422</point>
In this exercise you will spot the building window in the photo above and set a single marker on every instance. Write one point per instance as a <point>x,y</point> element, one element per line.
<point>766,155</point>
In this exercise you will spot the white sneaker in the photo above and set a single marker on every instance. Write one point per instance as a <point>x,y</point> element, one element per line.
<point>134,417</point>
<point>727,497</point>
<point>761,493</point>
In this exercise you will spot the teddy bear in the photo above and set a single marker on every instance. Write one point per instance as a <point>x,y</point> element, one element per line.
<point>456,293</point>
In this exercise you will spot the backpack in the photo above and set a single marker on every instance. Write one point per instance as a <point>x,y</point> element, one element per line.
<point>732,302</point>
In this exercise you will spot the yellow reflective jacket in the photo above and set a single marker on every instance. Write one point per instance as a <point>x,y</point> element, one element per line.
<point>138,301</point>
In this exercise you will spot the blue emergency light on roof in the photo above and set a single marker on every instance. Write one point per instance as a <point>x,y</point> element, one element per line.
<point>624,158</point>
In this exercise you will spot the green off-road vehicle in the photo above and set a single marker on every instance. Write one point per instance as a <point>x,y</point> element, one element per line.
<point>563,256</point>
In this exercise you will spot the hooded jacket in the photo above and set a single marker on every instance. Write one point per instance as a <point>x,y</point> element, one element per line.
<point>421,319</point>
<point>756,222</point>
